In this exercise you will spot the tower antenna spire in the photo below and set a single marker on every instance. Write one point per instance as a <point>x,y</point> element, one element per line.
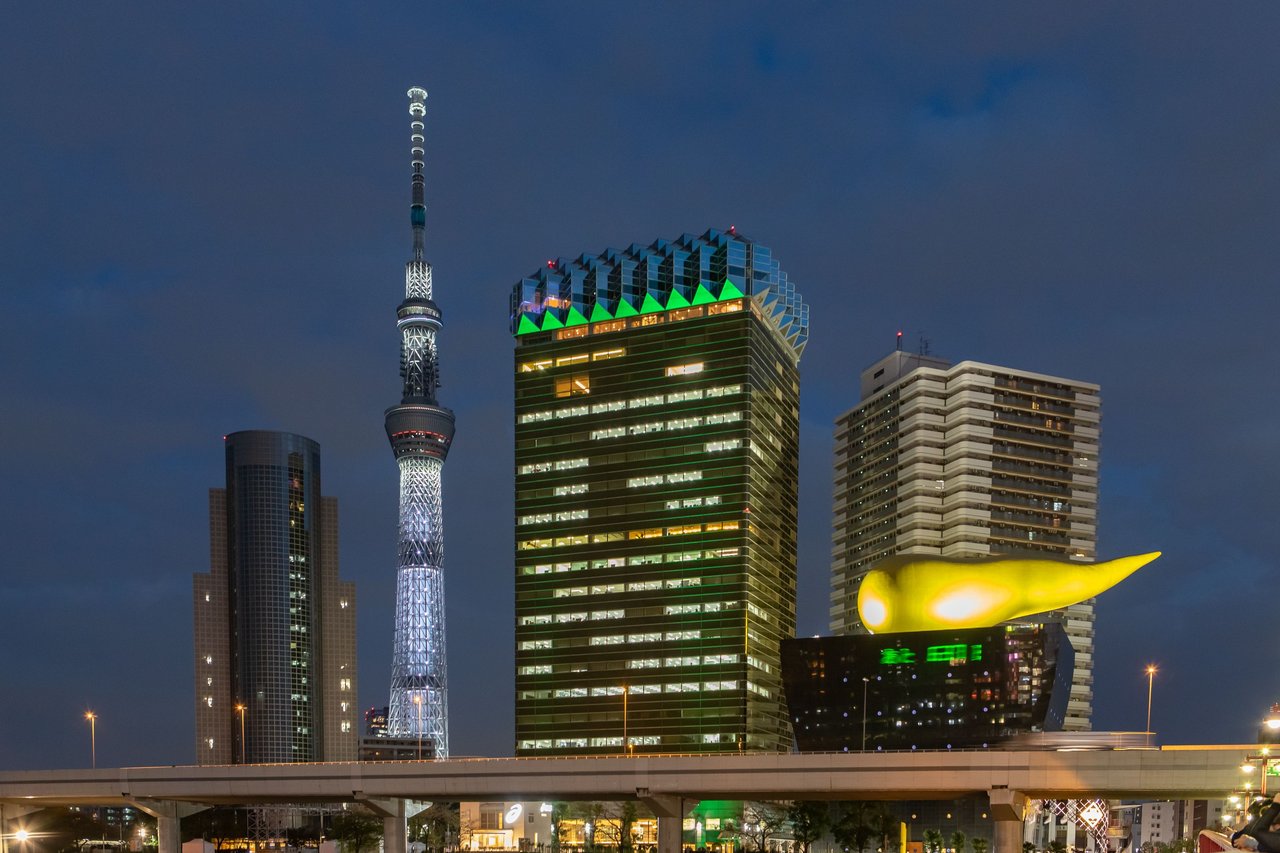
<point>418,206</point>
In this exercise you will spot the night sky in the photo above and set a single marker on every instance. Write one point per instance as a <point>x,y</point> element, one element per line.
<point>206,220</point>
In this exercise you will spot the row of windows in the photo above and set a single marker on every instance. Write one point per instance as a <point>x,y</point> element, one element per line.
<point>660,426</point>
<point>643,690</point>
<point>541,364</point>
<point>658,663</point>
<point>632,586</point>
<point>558,465</point>
<point>618,639</point>
<point>618,536</point>
<point>670,687</point>
<point>581,742</point>
<point>634,560</point>
<point>597,615</point>
<point>659,479</point>
<point>620,405</point>
<point>545,517</point>
<point>579,616</point>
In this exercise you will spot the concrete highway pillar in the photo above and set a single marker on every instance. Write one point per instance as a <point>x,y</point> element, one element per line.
<point>168,815</point>
<point>670,811</point>
<point>1008,810</point>
<point>395,835</point>
<point>395,829</point>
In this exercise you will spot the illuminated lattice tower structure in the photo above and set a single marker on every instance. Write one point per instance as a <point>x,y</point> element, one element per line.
<point>657,434</point>
<point>420,431</point>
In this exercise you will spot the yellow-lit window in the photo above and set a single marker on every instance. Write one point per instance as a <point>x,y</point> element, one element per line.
<point>573,386</point>
<point>576,358</point>
<point>536,364</point>
<point>603,354</point>
<point>686,313</point>
<point>724,307</point>
<point>610,326</point>
<point>649,533</point>
<point>685,529</point>
<point>685,369</point>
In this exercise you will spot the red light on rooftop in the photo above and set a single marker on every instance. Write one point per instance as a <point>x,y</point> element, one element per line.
<point>733,229</point>
<point>551,264</point>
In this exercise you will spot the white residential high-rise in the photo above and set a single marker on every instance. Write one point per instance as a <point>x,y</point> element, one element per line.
<point>967,460</point>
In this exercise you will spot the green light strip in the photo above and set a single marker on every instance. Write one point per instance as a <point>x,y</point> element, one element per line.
<point>650,305</point>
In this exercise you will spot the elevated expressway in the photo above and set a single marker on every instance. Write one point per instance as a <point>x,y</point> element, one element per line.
<point>669,785</point>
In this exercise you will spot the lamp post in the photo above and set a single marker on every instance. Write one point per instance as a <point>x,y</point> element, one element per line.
<point>1151,675</point>
<point>865,683</point>
<point>626,741</point>
<point>93,737</point>
<point>240,709</point>
<point>417,701</point>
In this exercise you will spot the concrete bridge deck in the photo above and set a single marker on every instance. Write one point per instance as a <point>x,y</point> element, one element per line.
<point>665,783</point>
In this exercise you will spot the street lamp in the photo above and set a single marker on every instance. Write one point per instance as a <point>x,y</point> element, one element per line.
<point>865,683</point>
<point>1151,675</point>
<point>417,701</point>
<point>240,709</point>
<point>626,741</point>
<point>93,737</point>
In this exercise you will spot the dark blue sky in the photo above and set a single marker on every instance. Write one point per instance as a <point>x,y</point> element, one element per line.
<point>206,219</point>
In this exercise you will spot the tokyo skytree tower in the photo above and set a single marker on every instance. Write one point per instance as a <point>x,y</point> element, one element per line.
<point>420,431</point>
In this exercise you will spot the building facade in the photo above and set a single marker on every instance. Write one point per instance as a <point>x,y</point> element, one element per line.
<point>275,643</point>
<point>656,457</point>
<point>967,460</point>
<point>959,689</point>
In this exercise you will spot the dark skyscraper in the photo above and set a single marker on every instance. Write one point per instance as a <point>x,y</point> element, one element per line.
<point>274,627</point>
<point>656,476</point>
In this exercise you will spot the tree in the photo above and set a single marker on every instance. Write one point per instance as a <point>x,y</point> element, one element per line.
<point>612,824</point>
<point>979,845</point>
<point>558,811</point>
<point>434,825</point>
<point>1028,847</point>
<point>356,830</point>
<point>1056,846</point>
<point>760,822</point>
<point>591,815</point>
<point>958,840</point>
<point>887,827</point>
<point>932,841</point>
<point>809,820</point>
<point>853,830</point>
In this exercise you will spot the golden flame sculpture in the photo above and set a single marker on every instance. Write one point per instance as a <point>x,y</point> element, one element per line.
<point>921,593</point>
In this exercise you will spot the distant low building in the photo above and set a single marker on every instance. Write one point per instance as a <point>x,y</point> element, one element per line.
<point>375,722</point>
<point>395,749</point>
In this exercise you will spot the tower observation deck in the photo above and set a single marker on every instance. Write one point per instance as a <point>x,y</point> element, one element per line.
<point>420,431</point>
